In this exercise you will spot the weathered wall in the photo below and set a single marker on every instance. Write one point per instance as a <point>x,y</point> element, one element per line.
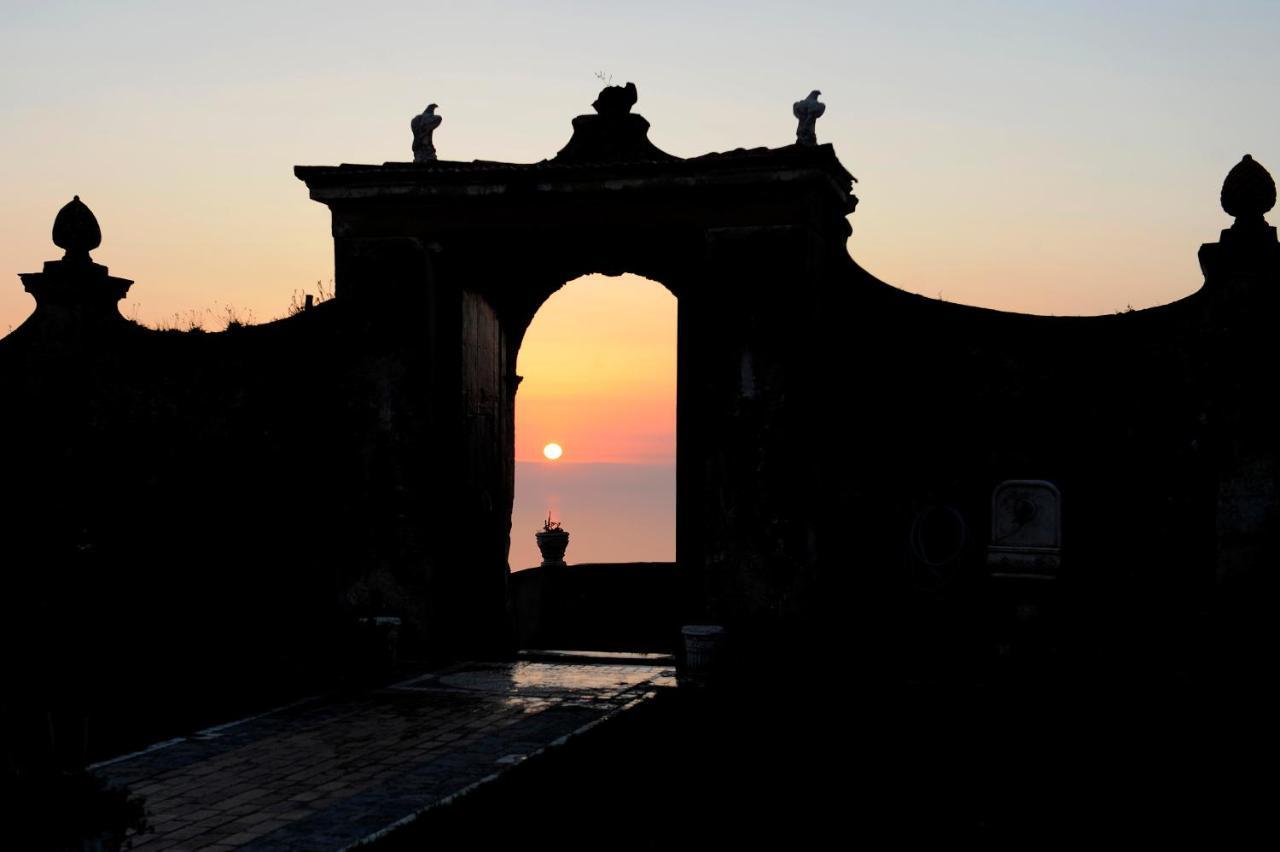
<point>203,515</point>
<point>199,519</point>
<point>1153,424</point>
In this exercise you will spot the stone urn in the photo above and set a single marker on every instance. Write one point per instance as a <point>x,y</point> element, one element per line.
<point>552,542</point>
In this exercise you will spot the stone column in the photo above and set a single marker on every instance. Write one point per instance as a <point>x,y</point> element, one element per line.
<point>745,464</point>
<point>1242,301</point>
<point>1242,295</point>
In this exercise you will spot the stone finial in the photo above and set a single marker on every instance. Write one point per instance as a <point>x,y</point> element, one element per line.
<point>1248,192</point>
<point>423,126</point>
<point>75,290</point>
<point>75,229</point>
<point>616,100</point>
<point>807,112</point>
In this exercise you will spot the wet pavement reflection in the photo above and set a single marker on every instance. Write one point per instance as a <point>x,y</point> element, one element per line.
<point>324,774</point>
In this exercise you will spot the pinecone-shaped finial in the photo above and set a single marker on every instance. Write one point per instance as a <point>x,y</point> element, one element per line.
<point>76,229</point>
<point>1248,192</point>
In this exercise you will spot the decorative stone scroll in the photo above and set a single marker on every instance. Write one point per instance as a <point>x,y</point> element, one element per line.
<point>1026,529</point>
<point>614,134</point>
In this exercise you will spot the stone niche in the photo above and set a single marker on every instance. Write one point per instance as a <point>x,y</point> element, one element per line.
<point>1026,529</point>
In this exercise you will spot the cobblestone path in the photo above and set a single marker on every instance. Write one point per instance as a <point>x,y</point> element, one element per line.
<point>325,775</point>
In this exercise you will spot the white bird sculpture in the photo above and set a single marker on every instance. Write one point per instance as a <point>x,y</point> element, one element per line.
<point>423,126</point>
<point>808,111</point>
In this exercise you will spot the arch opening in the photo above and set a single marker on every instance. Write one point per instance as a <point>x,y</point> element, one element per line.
<point>598,367</point>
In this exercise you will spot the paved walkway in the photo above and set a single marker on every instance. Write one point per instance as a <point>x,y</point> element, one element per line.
<point>325,775</point>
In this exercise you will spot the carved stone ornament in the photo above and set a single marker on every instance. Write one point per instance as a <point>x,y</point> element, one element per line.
<point>1026,529</point>
<point>75,229</point>
<point>807,113</point>
<point>614,134</point>
<point>75,289</point>
<point>616,100</point>
<point>1248,192</point>
<point>423,126</point>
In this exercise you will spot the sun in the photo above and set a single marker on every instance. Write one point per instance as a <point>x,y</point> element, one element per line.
<point>553,451</point>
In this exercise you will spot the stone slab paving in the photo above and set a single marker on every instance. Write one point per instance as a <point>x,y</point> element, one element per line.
<point>328,774</point>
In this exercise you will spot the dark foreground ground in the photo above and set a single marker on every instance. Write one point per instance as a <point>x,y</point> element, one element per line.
<point>333,771</point>
<point>583,750</point>
<point>833,761</point>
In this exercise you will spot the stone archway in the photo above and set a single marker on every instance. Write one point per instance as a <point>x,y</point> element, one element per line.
<point>748,241</point>
<point>819,410</point>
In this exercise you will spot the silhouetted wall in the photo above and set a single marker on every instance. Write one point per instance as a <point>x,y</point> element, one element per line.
<point>199,515</point>
<point>621,606</point>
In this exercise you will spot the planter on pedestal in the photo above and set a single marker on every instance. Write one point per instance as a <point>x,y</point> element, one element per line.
<point>552,542</point>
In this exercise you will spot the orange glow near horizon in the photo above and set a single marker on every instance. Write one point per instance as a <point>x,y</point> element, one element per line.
<point>599,367</point>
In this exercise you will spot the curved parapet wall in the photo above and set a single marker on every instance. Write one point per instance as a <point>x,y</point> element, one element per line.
<point>258,492</point>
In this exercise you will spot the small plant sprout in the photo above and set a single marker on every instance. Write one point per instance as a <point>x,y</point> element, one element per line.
<point>550,526</point>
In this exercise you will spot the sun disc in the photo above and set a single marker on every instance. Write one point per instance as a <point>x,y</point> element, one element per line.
<point>553,451</point>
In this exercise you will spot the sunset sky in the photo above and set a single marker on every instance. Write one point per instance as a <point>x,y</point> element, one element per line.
<point>1047,157</point>
<point>599,367</point>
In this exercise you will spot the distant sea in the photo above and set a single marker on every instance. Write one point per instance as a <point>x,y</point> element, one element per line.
<point>613,512</point>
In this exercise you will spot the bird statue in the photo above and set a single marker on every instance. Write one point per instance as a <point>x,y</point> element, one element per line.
<point>808,111</point>
<point>424,150</point>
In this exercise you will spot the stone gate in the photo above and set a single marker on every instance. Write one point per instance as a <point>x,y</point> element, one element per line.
<point>251,495</point>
